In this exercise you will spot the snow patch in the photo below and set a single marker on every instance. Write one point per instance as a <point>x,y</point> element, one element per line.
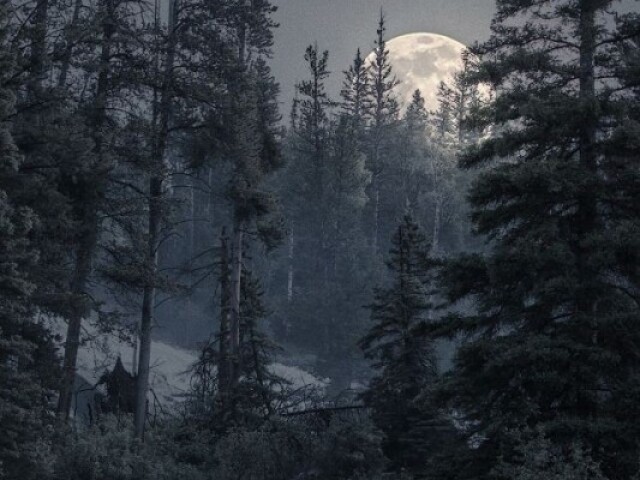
<point>170,372</point>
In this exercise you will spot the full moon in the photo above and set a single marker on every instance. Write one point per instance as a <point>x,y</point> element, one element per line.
<point>421,61</point>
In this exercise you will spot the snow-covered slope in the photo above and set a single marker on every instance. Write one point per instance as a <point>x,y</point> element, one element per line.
<point>170,366</point>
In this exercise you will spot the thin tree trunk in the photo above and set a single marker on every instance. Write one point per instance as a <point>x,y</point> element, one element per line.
<point>236,287</point>
<point>376,214</point>
<point>588,131</point>
<point>225,303</point>
<point>134,360</point>
<point>39,47</point>
<point>437,219</point>
<point>90,192</point>
<point>587,206</point>
<point>79,311</point>
<point>258,370</point>
<point>290,258</point>
<point>148,298</point>
<point>209,202</point>
<point>68,51</point>
<point>156,195</point>
<point>192,240</point>
<point>237,245</point>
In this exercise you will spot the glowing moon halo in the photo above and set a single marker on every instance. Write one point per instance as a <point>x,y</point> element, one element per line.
<point>421,61</point>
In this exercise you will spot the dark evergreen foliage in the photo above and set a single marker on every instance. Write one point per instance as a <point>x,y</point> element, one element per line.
<point>27,356</point>
<point>553,328</point>
<point>259,392</point>
<point>149,190</point>
<point>120,390</point>
<point>404,359</point>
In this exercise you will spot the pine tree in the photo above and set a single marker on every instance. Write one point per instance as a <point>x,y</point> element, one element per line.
<point>553,343</point>
<point>253,148</point>
<point>384,110</point>
<point>254,397</point>
<point>312,131</point>
<point>326,180</point>
<point>346,258</point>
<point>356,94</point>
<point>404,360</point>
<point>251,33</point>
<point>442,173</point>
<point>451,129</point>
<point>536,457</point>
<point>443,120</point>
<point>162,109</point>
<point>306,199</point>
<point>111,66</point>
<point>458,100</point>
<point>407,172</point>
<point>250,204</point>
<point>260,387</point>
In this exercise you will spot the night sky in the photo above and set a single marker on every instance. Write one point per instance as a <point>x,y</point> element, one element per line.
<point>341,26</point>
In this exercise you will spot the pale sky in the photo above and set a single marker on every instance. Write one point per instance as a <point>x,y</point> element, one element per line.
<point>341,26</point>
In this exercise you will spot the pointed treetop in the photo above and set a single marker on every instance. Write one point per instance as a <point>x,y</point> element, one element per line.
<point>355,89</point>
<point>382,80</point>
<point>382,29</point>
<point>416,114</point>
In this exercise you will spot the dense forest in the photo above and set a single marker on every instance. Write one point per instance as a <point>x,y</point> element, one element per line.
<point>461,284</point>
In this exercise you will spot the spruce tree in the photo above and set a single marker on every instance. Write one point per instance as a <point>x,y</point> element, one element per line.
<point>458,99</point>
<point>536,457</point>
<point>252,32</point>
<point>260,388</point>
<point>403,359</point>
<point>553,341</point>
<point>307,197</point>
<point>346,256</point>
<point>356,94</point>
<point>256,153</point>
<point>312,128</point>
<point>254,397</point>
<point>383,111</point>
<point>445,198</point>
<point>326,179</point>
<point>407,180</point>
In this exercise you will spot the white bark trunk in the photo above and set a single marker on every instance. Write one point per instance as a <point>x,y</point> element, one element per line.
<point>437,220</point>
<point>236,287</point>
<point>290,272</point>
